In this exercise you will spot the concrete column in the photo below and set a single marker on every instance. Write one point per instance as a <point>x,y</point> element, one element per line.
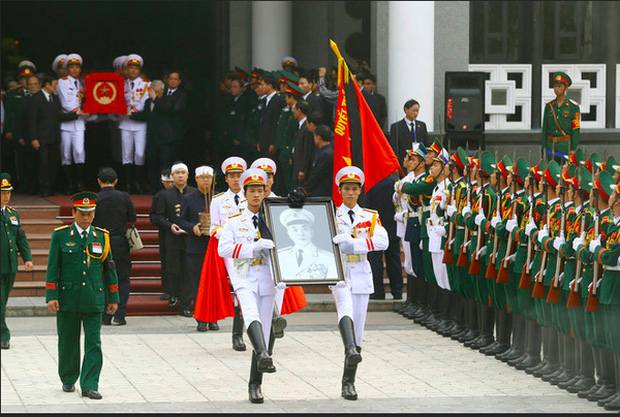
<point>272,30</point>
<point>240,29</point>
<point>412,59</point>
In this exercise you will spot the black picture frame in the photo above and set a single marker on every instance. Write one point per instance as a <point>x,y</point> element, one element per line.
<point>323,264</point>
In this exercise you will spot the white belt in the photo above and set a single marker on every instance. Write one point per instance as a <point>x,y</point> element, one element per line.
<point>612,268</point>
<point>356,258</point>
<point>431,222</point>
<point>414,214</point>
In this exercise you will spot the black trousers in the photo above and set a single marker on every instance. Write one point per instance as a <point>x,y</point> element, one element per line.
<point>194,268</point>
<point>393,266</point>
<point>165,286</point>
<point>122,260</point>
<point>48,160</point>
<point>158,157</point>
<point>178,279</point>
<point>413,236</point>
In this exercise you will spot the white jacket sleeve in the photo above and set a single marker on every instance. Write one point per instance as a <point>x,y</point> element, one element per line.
<point>68,96</point>
<point>379,241</point>
<point>227,247</point>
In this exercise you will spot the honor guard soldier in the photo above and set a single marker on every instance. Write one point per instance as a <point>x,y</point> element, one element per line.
<point>244,243</point>
<point>80,274</point>
<point>560,129</point>
<point>133,132</point>
<point>71,95</point>
<point>223,205</point>
<point>359,232</point>
<point>13,240</point>
<point>58,65</point>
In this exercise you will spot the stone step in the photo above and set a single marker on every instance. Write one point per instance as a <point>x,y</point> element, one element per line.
<point>37,212</point>
<point>43,226</point>
<point>39,240</point>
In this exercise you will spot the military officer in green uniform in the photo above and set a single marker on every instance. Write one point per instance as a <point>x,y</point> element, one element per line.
<point>80,273</point>
<point>13,240</point>
<point>285,133</point>
<point>560,128</point>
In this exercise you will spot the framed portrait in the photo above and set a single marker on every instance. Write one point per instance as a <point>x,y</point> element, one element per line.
<point>304,252</point>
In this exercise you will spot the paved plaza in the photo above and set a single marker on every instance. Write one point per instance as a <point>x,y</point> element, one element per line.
<point>161,364</point>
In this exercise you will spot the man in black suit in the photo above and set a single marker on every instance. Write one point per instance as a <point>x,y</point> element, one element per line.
<point>269,117</point>
<point>235,120</point>
<point>167,215</point>
<point>167,183</point>
<point>322,173</point>
<point>304,147</point>
<point>314,100</point>
<point>379,198</point>
<point>407,131</point>
<point>173,105</point>
<point>44,120</point>
<point>376,101</point>
<point>26,155</point>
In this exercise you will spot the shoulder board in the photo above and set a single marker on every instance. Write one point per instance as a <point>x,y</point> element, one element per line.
<point>370,210</point>
<point>102,229</point>
<point>10,209</point>
<point>217,195</point>
<point>61,227</point>
<point>234,215</point>
<point>65,78</point>
<point>573,101</point>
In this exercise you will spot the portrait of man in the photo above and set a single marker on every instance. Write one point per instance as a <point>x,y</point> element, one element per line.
<point>306,258</point>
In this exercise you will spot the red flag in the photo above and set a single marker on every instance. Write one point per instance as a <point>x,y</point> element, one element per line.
<point>342,133</point>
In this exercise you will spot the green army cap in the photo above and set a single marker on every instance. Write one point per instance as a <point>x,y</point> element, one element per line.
<point>552,173</point>
<point>504,166</point>
<point>486,163</point>
<point>562,77</point>
<point>286,76</point>
<point>460,158</point>
<point>520,170</point>
<point>292,88</point>
<point>604,183</point>
<point>592,162</point>
<point>578,158</point>
<point>435,147</point>
<point>5,181</point>
<point>568,175</point>
<point>85,201</point>
<point>417,149</point>
<point>583,179</point>
<point>539,169</point>
<point>608,165</point>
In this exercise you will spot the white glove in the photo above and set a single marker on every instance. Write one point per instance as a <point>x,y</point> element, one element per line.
<point>482,251</point>
<point>511,225</point>
<point>577,242</point>
<point>529,199</point>
<point>596,242</point>
<point>262,244</point>
<point>467,244</point>
<point>450,210</point>
<point>444,201</point>
<point>342,238</point>
<point>598,285</point>
<point>281,286</point>
<point>466,210</point>
<point>495,221</point>
<point>558,241</point>
<point>421,245</point>
<point>511,258</point>
<point>543,234</point>
<point>618,262</point>
<point>218,233</point>
<point>529,227</point>
<point>399,217</point>
<point>479,218</point>
<point>561,278</point>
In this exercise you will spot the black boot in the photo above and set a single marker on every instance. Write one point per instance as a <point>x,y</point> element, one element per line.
<point>472,332</point>
<point>255,334</point>
<point>597,372</point>
<point>586,366</point>
<point>278,324</point>
<point>351,355</point>
<point>127,177</point>
<point>455,315</point>
<point>531,360</point>
<point>608,383</point>
<point>504,329</point>
<point>569,362</point>
<point>81,176</point>
<point>486,328</point>
<point>444,310</point>
<point>70,188</point>
<point>517,349</point>
<point>254,384</point>
<point>348,391</point>
<point>560,349</point>
<point>613,403</point>
<point>237,331</point>
<point>550,347</point>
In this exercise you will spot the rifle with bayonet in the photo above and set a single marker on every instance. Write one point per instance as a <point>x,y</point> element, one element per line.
<point>448,253</point>
<point>475,265</point>
<point>553,296</point>
<point>574,297</point>
<point>463,259</point>
<point>504,269</point>
<point>592,304</point>
<point>539,287</point>
<point>492,271</point>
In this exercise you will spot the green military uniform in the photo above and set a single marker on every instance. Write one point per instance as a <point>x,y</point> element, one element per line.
<point>80,274</point>
<point>13,239</point>
<point>285,136</point>
<point>560,127</point>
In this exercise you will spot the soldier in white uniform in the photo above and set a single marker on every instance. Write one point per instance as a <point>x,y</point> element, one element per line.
<point>133,132</point>
<point>223,205</point>
<point>359,232</point>
<point>71,95</point>
<point>435,223</point>
<point>252,277</point>
<point>58,65</point>
<point>270,168</point>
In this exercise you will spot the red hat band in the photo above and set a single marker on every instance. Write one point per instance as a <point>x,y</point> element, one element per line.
<point>552,182</point>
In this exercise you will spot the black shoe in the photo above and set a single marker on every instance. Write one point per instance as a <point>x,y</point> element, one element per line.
<point>497,349</point>
<point>120,321</point>
<point>572,381</point>
<point>165,296</point>
<point>106,321</point>
<point>187,313</point>
<point>565,376</point>
<point>377,297</point>
<point>173,301</point>
<point>202,326</point>
<point>5,344</point>
<point>237,342</point>
<point>585,393</point>
<point>605,391</point>
<point>467,337</point>
<point>583,384</point>
<point>92,394</point>
<point>348,391</point>
<point>510,355</point>
<point>482,342</point>
<point>613,404</point>
<point>535,368</point>
<point>213,326</point>
<point>548,369</point>
<point>605,401</point>
<point>68,387</point>
<point>528,362</point>
<point>278,325</point>
<point>255,394</point>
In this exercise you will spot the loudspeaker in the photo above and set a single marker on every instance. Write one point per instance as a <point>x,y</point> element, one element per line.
<point>464,112</point>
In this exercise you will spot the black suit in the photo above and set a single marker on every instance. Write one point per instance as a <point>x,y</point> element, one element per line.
<point>44,125</point>
<point>317,106</point>
<point>303,152</point>
<point>167,212</point>
<point>269,121</point>
<point>401,138</point>
<point>379,198</point>
<point>378,106</point>
<point>320,182</point>
<point>235,121</point>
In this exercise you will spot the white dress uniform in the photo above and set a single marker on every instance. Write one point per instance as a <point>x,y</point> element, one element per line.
<point>352,298</point>
<point>251,274</point>
<point>436,230</point>
<point>133,132</point>
<point>71,95</point>
<point>401,220</point>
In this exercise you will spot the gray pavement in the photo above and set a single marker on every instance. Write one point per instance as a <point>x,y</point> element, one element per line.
<point>161,364</point>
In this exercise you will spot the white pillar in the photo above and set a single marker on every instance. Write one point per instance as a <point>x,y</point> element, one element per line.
<point>412,59</point>
<point>272,33</point>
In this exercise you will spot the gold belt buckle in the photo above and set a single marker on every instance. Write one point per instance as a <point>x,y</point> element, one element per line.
<point>354,258</point>
<point>257,261</point>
